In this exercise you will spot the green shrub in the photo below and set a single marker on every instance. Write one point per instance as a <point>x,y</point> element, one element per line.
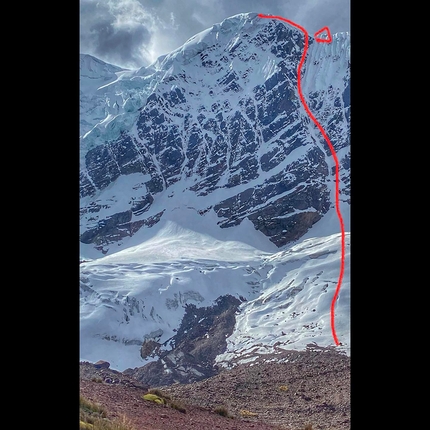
<point>91,408</point>
<point>157,396</point>
<point>154,398</point>
<point>92,416</point>
<point>246,413</point>
<point>159,393</point>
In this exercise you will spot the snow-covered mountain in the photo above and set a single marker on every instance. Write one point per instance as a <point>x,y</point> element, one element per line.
<point>203,176</point>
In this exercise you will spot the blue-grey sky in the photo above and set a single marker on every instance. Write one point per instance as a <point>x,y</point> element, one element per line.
<point>134,33</point>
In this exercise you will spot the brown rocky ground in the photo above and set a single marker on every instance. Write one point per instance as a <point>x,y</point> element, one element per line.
<point>299,389</point>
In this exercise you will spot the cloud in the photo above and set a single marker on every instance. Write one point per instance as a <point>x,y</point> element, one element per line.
<point>116,31</point>
<point>316,14</point>
<point>133,33</point>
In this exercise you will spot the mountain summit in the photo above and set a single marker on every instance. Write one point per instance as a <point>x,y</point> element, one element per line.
<point>219,119</point>
<point>202,175</point>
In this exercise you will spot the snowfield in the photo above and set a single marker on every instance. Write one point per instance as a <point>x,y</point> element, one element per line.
<point>139,287</point>
<point>140,292</point>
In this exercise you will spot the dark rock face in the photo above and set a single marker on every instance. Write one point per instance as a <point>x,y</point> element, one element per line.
<point>109,226</point>
<point>227,130</point>
<point>199,339</point>
<point>277,200</point>
<point>101,364</point>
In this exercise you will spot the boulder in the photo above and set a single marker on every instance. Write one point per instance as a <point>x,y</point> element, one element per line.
<point>101,364</point>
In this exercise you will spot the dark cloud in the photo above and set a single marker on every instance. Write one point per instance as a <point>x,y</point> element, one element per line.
<point>121,45</point>
<point>110,31</point>
<point>133,33</point>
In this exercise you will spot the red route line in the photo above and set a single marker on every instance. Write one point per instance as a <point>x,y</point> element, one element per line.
<point>342,228</point>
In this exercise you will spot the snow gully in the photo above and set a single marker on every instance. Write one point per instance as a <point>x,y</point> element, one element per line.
<point>319,38</point>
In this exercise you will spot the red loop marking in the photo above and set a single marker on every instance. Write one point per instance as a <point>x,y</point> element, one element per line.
<point>326,33</point>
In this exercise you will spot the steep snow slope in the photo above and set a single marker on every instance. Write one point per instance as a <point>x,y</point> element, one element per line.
<point>94,102</point>
<point>154,164</point>
<point>221,117</point>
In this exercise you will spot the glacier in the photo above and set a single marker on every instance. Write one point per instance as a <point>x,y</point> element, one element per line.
<point>189,238</point>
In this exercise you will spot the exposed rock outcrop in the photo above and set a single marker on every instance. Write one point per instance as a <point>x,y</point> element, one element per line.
<point>199,339</point>
<point>213,126</point>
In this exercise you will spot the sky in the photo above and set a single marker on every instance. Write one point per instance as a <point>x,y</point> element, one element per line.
<point>134,33</point>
